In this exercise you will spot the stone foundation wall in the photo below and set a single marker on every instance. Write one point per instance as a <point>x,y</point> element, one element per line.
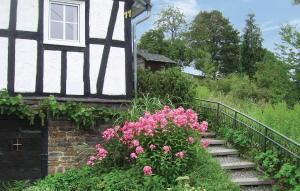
<point>67,147</point>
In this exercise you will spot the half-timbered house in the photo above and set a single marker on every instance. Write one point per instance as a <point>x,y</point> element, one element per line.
<point>68,48</point>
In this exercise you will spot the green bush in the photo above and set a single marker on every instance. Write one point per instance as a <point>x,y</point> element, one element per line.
<point>170,84</point>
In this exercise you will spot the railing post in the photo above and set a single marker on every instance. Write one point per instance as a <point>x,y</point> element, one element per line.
<point>235,119</point>
<point>218,115</point>
<point>265,140</point>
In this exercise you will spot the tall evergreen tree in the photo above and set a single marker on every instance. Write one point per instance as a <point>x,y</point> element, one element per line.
<point>251,50</point>
<point>212,32</point>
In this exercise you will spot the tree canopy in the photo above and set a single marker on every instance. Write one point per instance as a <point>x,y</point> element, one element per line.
<point>251,49</point>
<point>172,21</point>
<point>212,31</point>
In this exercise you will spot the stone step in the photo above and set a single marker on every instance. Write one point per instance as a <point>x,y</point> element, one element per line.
<point>234,163</point>
<point>221,151</point>
<point>209,135</point>
<point>257,188</point>
<point>249,178</point>
<point>213,142</point>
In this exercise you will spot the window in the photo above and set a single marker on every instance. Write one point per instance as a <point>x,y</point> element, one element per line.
<point>64,23</point>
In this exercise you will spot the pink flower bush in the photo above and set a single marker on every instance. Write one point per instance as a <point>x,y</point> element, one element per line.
<point>177,127</point>
<point>166,149</point>
<point>139,150</point>
<point>147,170</point>
<point>133,156</point>
<point>180,154</point>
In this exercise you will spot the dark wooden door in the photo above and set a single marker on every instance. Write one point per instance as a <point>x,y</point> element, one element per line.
<point>21,150</point>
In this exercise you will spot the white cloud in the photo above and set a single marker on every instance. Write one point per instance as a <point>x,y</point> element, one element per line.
<point>189,7</point>
<point>270,26</point>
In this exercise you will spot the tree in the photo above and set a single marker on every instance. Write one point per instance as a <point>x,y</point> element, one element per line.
<point>272,76</point>
<point>296,1</point>
<point>251,49</point>
<point>289,52</point>
<point>172,21</point>
<point>211,31</point>
<point>204,62</point>
<point>154,42</point>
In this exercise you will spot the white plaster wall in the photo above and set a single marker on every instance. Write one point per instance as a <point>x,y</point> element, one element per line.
<point>96,52</point>
<point>3,62</point>
<point>52,71</point>
<point>28,15</point>
<point>120,25</point>
<point>115,80</point>
<point>4,13</point>
<point>100,11</point>
<point>25,65</point>
<point>75,84</point>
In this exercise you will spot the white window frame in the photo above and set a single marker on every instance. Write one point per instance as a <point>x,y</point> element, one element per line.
<point>81,23</point>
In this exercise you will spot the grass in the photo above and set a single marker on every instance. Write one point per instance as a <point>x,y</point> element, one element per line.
<point>278,116</point>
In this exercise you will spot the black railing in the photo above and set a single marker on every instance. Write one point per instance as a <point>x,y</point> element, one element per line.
<point>262,136</point>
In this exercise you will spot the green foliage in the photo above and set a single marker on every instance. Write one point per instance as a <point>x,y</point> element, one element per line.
<point>251,50</point>
<point>211,31</point>
<point>16,106</point>
<point>172,21</point>
<point>154,41</point>
<point>14,186</point>
<point>204,62</point>
<point>206,175</point>
<point>168,165</point>
<point>269,161</point>
<point>169,84</point>
<point>84,117</point>
<point>138,107</point>
<point>289,176</point>
<point>290,54</point>
<point>237,137</point>
<point>272,77</point>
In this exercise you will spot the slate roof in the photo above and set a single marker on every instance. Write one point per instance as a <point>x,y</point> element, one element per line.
<point>155,57</point>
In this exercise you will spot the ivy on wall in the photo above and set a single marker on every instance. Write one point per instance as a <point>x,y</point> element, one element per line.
<point>84,117</point>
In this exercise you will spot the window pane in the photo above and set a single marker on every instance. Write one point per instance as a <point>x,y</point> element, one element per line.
<point>71,31</point>
<point>57,12</point>
<point>56,30</point>
<point>71,14</point>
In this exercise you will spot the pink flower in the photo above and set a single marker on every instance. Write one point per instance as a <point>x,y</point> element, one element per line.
<point>180,154</point>
<point>203,126</point>
<point>205,144</point>
<point>147,170</point>
<point>90,163</point>
<point>166,149</point>
<point>135,143</point>
<point>108,134</point>
<point>102,154</point>
<point>139,150</point>
<point>152,147</point>
<point>133,156</point>
<point>191,140</point>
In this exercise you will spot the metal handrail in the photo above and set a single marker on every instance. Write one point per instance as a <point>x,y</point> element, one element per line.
<point>267,129</point>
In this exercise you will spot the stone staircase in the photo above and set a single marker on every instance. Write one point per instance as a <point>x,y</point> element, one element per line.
<point>241,171</point>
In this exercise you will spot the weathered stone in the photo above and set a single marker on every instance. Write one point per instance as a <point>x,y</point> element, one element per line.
<point>69,148</point>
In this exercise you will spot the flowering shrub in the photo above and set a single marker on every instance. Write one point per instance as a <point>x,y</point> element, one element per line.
<point>163,143</point>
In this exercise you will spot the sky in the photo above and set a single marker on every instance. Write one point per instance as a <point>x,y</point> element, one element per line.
<point>270,14</point>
